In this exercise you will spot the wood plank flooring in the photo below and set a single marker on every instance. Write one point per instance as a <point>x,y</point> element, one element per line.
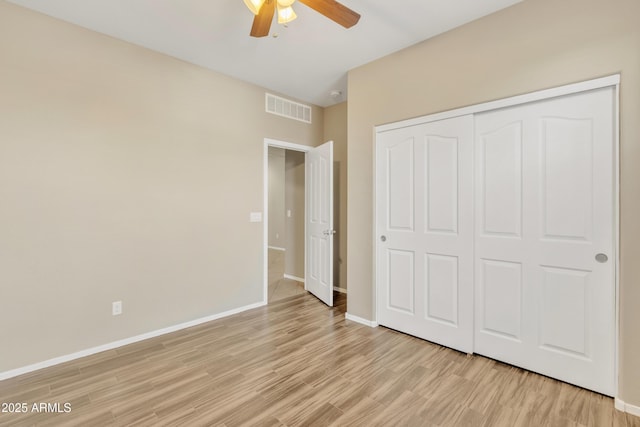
<point>280,287</point>
<point>299,363</point>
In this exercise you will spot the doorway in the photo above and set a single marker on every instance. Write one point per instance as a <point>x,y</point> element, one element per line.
<point>284,263</point>
<point>317,251</point>
<point>312,250</point>
<point>285,226</point>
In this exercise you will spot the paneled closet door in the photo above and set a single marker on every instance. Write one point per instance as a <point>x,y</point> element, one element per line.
<point>544,270</point>
<point>424,224</point>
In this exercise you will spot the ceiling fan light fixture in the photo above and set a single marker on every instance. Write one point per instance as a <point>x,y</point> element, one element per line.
<point>285,14</point>
<point>254,5</point>
<point>285,3</point>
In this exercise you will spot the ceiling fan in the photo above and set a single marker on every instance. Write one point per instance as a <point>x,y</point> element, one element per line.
<point>265,9</point>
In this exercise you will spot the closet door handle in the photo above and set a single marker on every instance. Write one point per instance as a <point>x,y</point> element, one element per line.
<point>602,258</point>
<point>383,238</point>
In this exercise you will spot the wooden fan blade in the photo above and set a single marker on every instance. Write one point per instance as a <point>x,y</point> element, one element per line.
<point>262,21</point>
<point>334,11</point>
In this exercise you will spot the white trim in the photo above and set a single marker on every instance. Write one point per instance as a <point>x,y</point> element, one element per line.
<point>616,238</point>
<point>620,405</point>
<point>370,323</point>
<point>339,289</point>
<point>506,102</point>
<point>287,145</point>
<point>290,277</point>
<point>276,248</point>
<point>632,409</point>
<point>374,229</point>
<point>120,343</point>
<point>265,222</point>
<point>265,204</point>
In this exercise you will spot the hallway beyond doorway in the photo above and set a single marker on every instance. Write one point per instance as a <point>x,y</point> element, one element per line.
<point>279,286</point>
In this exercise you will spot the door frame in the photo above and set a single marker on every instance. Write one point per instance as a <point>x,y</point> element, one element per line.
<point>268,142</point>
<point>584,86</point>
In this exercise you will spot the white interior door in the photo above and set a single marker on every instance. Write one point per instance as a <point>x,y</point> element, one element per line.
<point>424,223</point>
<point>319,222</point>
<point>544,296</point>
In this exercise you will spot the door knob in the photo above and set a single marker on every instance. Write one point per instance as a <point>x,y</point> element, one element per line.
<point>602,258</point>
<point>329,232</point>
<point>383,238</point>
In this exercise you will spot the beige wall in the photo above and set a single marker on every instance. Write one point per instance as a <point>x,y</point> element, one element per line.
<point>533,45</point>
<point>335,129</point>
<point>124,175</point>
<point>294,224</point>
<point>276,232</point>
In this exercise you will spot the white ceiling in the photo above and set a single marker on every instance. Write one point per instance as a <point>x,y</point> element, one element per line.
<point>307,60</point>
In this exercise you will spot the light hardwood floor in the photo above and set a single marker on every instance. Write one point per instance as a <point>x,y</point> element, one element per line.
<point>279,287</point>
<point>297,362</point>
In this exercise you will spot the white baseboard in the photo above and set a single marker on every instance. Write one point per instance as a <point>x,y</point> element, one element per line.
<point>341,290</point>
<point>360,320</point>
<point>276,248</point>
<point>626,407</point>
<point>110,346</point>
<point>290,277</point>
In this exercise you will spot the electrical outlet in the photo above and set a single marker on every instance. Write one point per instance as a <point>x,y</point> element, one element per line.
<point>116,308</point>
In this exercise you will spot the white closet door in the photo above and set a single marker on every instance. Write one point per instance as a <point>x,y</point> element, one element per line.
<point>424,229</point>
<point>545,296</point>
